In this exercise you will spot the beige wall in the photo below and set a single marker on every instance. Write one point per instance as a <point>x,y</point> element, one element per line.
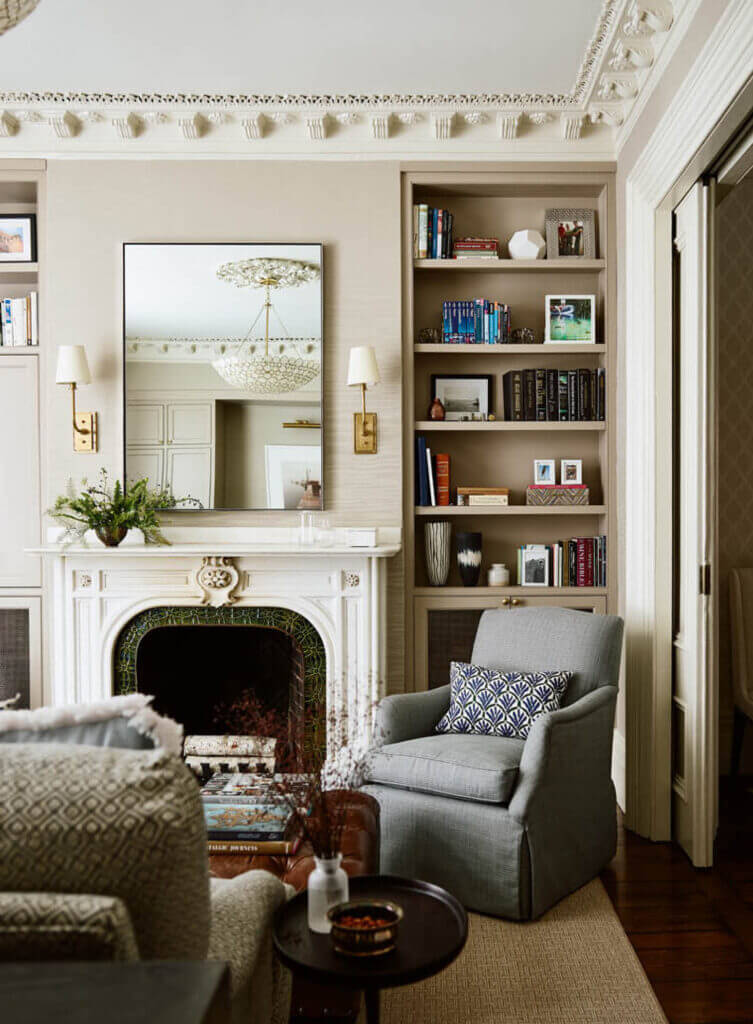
<point>352,208</point>
<point>735,412</point>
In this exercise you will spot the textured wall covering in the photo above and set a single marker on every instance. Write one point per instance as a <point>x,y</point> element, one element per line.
<point>735,370</point>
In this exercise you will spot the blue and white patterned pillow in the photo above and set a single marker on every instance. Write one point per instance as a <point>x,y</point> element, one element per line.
<point>490,703</point>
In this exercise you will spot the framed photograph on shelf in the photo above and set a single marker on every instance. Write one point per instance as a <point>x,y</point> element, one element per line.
<point>535,566</point>
<point>18,238</point>
<point>543,473</point>
<point>294,475</point>
<point>465,396</point>
<point>570,234</point>
<point>570,319</point>
<point>571,472</point>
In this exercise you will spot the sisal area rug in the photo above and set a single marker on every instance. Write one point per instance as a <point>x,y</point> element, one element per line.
<point>575,965</point>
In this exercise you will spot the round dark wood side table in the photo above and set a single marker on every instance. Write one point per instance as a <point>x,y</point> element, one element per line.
<point>432,933</point>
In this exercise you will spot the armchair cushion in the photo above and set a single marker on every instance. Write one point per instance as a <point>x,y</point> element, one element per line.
<point>480,768</point>
<point>486,702</point>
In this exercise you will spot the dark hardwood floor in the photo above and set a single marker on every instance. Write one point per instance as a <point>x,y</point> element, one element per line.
<point>693,930</point>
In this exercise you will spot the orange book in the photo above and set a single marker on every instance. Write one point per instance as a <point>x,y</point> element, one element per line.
<point>443,479</point>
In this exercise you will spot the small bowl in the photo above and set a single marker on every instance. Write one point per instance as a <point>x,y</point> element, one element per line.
<point>352,939</point>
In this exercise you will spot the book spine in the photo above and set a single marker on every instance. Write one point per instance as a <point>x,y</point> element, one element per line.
<point>443,479</point>
<point>552,395</point>
<point>572,394</point>
<point>423,231</point>
<point>434,232</point>
<point>440,226</point>
<point>270,848</point>
<point>529,394</point>
<point>430,474</point>
<point>602,386</point>
<point>580,559</point>
<point>415,231</point>
<point>429,232</point>
<point>540,395</point>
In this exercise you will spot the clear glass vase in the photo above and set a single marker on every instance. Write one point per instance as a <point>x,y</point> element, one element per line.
<point>327,886</point>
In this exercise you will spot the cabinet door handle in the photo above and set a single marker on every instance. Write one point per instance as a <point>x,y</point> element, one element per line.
<point>515,601</point>
<point>505,601</point>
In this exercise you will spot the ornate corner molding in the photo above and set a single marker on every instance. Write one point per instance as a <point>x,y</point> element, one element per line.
<point>441,125</point>
<point>508,125</point>
<point>253,126</point>
<point>571,126</point>
<point>9,125</point>
<point>217,578</point>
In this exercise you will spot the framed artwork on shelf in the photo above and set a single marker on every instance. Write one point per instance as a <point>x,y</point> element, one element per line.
<point>294,475</point>
<point>570,234</point>
<point>569,319</point>
<point>544,472</point>
<point>571,472</point>
<point>465,396</point>
<point>535,566</point>
<point>18,238</point>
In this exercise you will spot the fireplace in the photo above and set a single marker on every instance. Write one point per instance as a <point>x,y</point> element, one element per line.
<point>238,671</point>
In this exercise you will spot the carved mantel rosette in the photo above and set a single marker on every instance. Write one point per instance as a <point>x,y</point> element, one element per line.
<point>217,579</point>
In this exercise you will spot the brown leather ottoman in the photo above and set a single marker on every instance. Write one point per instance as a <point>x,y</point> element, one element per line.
<point>360,848</point>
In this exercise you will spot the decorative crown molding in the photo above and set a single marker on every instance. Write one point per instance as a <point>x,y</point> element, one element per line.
<point>627,39</point>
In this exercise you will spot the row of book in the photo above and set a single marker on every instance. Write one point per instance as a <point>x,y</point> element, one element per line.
<point>432,476</point>
<point>19,321</point>
<point>555,395</point>
<point>578,562</point>
<point>244,813</point>
<point>432,233</point>
<point>475,322</point>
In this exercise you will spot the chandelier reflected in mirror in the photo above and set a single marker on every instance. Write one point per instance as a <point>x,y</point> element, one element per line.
<point>267,374</point>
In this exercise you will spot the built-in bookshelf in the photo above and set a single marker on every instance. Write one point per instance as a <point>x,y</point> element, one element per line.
<point>500,453</point>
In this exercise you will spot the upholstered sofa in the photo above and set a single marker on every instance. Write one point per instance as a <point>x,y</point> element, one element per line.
<point>103,855</point>
<point>510,826</point>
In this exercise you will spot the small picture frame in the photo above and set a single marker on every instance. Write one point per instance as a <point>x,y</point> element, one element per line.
<point>465,396</point>
<point>570,319</point>
<point>544,473</point>
<point>18,238</point>
<point>535,566</point>
<point>570,234</point>
<point>571,472</point>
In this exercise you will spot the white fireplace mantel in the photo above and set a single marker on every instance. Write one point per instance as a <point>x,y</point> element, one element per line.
<point>340,589</point>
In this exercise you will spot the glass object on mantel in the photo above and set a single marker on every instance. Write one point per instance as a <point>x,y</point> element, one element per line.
<point>306,529</point>
<point>325,535</point>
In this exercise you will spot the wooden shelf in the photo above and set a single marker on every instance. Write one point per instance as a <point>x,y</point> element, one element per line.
<point>18,350</point>
<point>511,510</point>
<point>568,266</point>
<point>451,426</point>
<point>15,269</point>
<point>549,349</point>
<point>510,591</point>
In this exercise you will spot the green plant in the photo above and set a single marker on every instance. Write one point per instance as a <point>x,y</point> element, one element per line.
<point>112,508</point>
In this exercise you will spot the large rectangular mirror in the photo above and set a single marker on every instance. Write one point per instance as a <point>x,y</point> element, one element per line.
<point>223,373</point>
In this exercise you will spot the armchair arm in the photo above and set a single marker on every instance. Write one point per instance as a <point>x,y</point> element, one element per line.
<point>406,716</point>
<point>567,757</point>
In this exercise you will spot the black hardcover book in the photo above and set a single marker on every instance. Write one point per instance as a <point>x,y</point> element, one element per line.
<point>595,394</point>
<point>584,395</point>
<point>602,387</point>
<point>552,395</point>
<point>541,395</point>
<point>529,394</point>
<point>512,392</point>
<point>563,403</point>
<point>572,394</point>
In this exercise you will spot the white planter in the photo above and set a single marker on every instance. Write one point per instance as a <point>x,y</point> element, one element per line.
<point>327,886</point>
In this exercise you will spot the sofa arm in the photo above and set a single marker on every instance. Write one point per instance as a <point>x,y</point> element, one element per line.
<point>567,757</point>
<point>406,716</point>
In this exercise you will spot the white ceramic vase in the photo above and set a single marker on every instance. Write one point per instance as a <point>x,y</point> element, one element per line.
<point>437,546</point>
<point>327,886</point>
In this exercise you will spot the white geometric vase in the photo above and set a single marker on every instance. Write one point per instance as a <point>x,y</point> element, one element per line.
<point>527,245</point>
<point>437,547</point>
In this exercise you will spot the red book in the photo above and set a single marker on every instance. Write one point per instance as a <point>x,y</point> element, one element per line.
<point>580,562</point>
<point>443,479</point>
<point>589,563</point>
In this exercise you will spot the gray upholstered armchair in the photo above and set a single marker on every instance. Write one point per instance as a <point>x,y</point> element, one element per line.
<point>509,826</point>
<point>103,855</point>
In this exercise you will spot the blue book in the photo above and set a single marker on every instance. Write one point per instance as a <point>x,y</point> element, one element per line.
<point>423,473</point>
<point>435,234</point>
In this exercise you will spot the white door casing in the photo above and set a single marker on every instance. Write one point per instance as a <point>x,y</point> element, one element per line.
<point>694,679</point>
<point>19,471</point>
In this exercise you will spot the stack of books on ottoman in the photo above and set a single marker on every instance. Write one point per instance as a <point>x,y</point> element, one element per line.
<point>246,813</point>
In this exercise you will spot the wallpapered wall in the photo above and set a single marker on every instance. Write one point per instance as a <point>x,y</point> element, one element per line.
<point>93,206</point>
<point>735,373</point>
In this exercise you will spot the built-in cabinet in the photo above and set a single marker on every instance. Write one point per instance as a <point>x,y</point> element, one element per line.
<point>173,445</point>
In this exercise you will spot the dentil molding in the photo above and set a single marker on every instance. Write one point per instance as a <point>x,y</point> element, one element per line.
<point>628,36</point>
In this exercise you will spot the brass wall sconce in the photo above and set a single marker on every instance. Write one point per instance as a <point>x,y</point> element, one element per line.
<point>72,370</point>
<point>362,371</point>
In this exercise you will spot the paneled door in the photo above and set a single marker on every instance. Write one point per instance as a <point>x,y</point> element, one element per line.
<point>20,526</point>
<point>695,701</point>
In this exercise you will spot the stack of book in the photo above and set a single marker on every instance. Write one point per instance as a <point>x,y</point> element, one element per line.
<point>578,562</point>
<point>432,476</point>
<point>475,322</point>
<point>432,233</point>
<point>483,496</point>
<point>476,249</point>
<point>555,395</point>
<point>245,814</point>
<point>18,321</point>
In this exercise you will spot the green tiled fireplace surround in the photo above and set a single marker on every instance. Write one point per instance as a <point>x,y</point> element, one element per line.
<point>306,638</point>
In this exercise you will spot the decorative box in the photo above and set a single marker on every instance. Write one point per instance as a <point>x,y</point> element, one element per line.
<point>553,494</point>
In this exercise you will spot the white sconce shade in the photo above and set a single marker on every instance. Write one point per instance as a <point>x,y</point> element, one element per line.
<point>362,367</point>
<point>72,367</point>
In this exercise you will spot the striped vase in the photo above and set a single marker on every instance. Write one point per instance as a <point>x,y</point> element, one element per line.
<point>469,557</point>
<point>437,544</point>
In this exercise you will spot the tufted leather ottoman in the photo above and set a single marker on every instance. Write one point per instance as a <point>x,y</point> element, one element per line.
<point>360,848</point>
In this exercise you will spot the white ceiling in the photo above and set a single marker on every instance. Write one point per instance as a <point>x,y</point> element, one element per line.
<point>268,46</point>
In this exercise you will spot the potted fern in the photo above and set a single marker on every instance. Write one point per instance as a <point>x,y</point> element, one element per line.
<point>111,510</point>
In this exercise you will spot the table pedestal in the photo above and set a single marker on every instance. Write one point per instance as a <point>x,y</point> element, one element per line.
<point>371,998</point>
